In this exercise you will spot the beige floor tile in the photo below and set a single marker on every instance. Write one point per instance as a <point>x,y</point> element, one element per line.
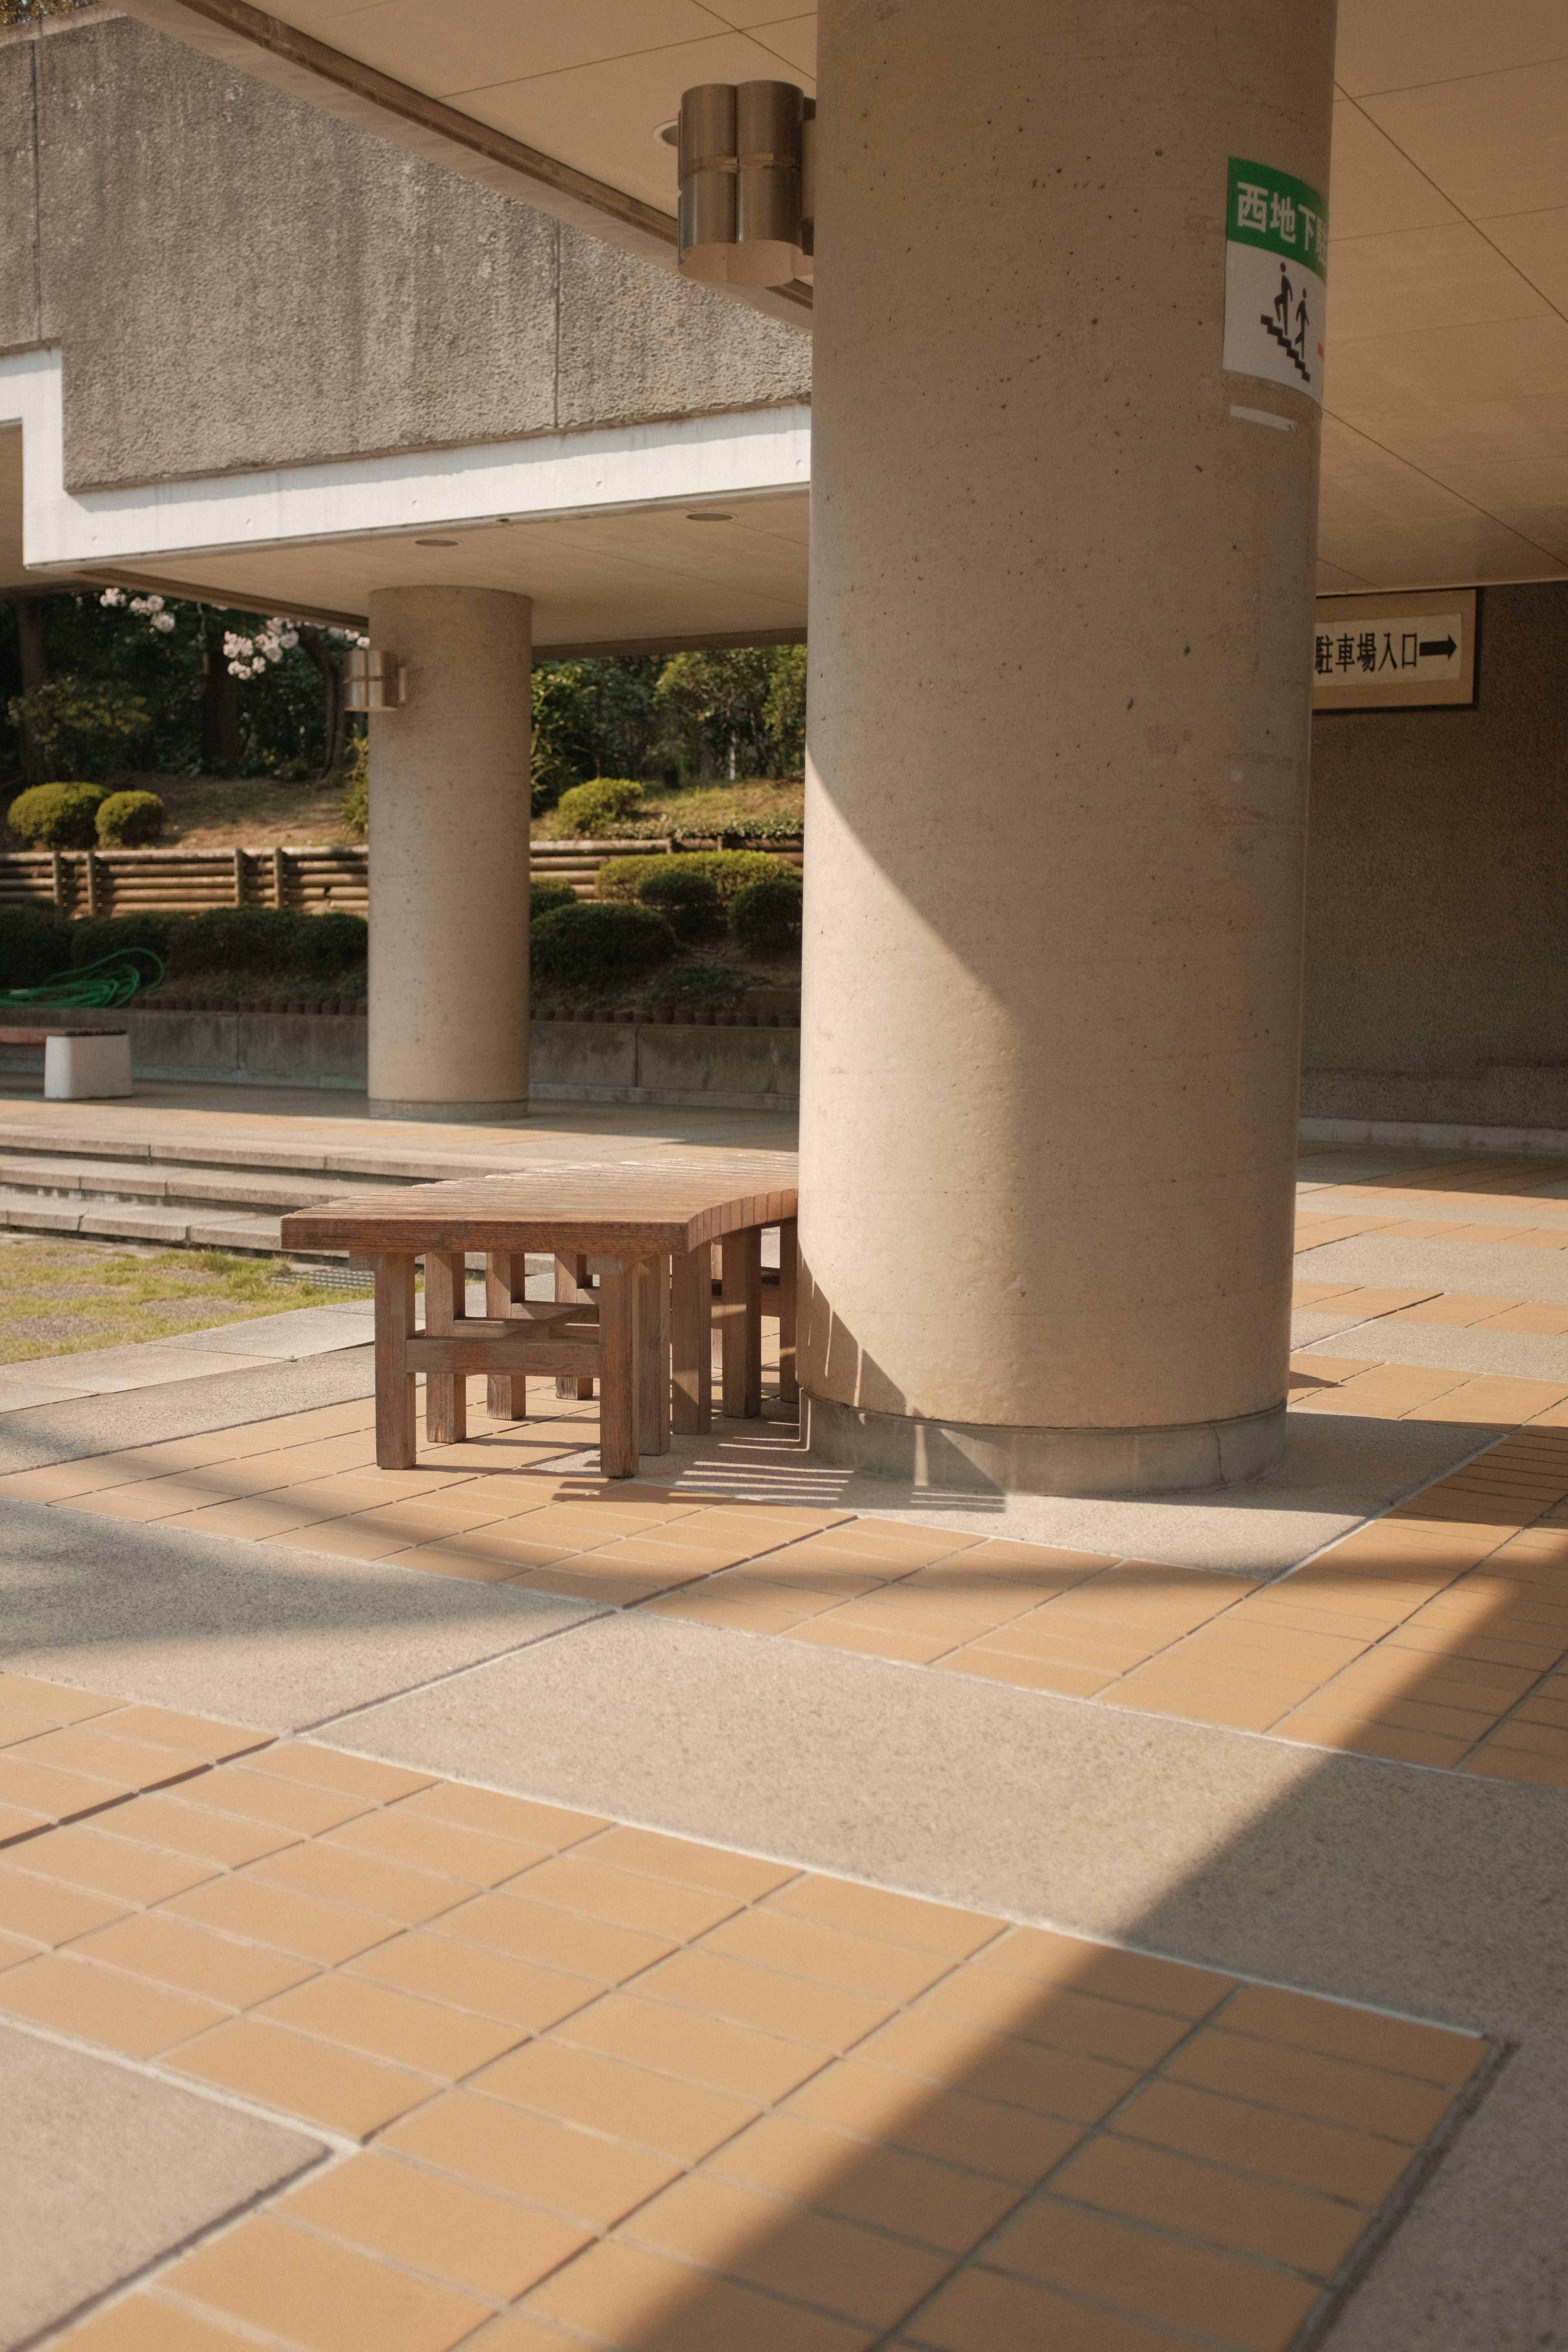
<point>1431,2053</point>
<point>651,2111</point>
<point>592,2179</point>
<point>710,1869</point>
<point>656,1907</point>
<point>837,1630</point>
<point>281,1804</point>
<point>341,2089</point>
<point>1064,2083</point>
<point>1305,2155</point>
<point>343,1539</point>
<point>912,2196</point>
<point>1509,1764</point>
<point>48,1912</point>
<point>897,1918</point>
<point>52,1702</point>
<point>489,1984</point>
<point>366,1881</point>
<point>1219,2207</point>
<point>330,1768</point>
<point>553,1939</point>
<point>92,1748</point>
<point>1194,2288</point>
<point>762,1609</point>
<point>145,2323</point>
<point>859,2274</point>
<point>822,2016</point>
<point>995,1662</point>
<point>468,2235</point>
<point>1312,2082</point>
<point>325,2297</point>
<point>1337,1728</point>
<point>551,1826</point>
<point>177,1825</point>
<point>620,2295</point>
<point>162,1726</point>
<point>804,1947</point>
<point>1055,2015</point>
<point>97,2004</point>
<point>982,2311</point>
<point>441,1848</point>
<point>253,1520</point>
<point>617,1588</point>
<point>43,1789</point>
<point>716,2053</point>
<point>191,1960</point>
<point>1104,1968</point>
<point>297,1924</point>
<point>115,1866</point>
<point>384,2022</point>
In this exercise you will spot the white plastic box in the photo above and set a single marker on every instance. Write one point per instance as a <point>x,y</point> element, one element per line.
<point>75,1068</point>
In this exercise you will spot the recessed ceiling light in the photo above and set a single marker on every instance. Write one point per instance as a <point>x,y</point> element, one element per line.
<point>435,543</point>
<point>668,133</point>
<point>709,515</point>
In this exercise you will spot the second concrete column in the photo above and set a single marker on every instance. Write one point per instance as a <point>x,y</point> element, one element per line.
<point>448,856</point>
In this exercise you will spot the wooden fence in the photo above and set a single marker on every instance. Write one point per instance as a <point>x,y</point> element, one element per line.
<point>314,881</point>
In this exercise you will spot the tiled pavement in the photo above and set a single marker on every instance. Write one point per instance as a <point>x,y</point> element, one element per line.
<point>1436,1635</point>
<point>582,2083</point>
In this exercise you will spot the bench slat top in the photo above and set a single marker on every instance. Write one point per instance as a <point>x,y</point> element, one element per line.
<point>630,1208</point>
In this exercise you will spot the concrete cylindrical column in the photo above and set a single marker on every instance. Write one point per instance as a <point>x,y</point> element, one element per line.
<point>448,856</point>
<point>1062,576</point>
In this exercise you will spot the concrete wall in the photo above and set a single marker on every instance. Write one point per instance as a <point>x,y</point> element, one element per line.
<point>734,1069</point>
<point>1438,893</point>
<point>239,281</point>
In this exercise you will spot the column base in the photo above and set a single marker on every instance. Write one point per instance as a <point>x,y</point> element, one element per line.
<point>451,1114</point>
<point>973,1458</point>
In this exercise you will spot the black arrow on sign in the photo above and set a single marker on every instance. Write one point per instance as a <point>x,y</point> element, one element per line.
<point>1444,645</point>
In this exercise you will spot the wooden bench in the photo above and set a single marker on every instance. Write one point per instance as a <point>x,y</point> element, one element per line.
<point>643,1233</point>
<point>81,1063</point>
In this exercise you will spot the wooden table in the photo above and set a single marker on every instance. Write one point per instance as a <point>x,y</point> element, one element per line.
<point>643,1232</point>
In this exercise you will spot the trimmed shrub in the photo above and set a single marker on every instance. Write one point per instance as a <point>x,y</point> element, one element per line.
<point>129,820</point>
<point>105,935</point>
<point>688,902</point>
<point>591,946</point>
<point>325,945</point>
<point>728,871</point>
<point>597,807</point>
<point>696,988</point>
<point>765,916</point>
<point>34,945</point>
<point>544,897</point>
<point>239,939</point>
<point>58,817</point>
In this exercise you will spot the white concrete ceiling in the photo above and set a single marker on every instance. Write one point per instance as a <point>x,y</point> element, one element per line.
<point>1446,445</point>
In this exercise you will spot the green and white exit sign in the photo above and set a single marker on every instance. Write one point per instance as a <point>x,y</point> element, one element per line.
<point>1276,277</point>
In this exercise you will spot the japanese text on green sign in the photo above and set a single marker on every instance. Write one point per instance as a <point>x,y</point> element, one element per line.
<point>1283,216</point>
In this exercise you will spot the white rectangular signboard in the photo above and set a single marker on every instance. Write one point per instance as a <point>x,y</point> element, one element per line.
<point>1276,277</point>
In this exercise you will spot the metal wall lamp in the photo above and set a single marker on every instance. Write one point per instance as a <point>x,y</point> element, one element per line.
<point>747,183</point>
<point>373,682</point>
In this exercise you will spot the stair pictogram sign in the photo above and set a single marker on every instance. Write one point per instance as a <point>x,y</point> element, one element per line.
<point>1293,346</point>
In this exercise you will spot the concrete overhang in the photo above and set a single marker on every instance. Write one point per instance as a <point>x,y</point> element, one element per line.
<point>1446,435</point>
<point>687,532</point>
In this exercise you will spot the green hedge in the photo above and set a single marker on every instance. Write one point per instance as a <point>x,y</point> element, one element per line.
<point>688,902</point>
<point>97,936</point>
<point>728,871</point>
<point>129,820</point>
<point>34,945</point>
<point>58,817</point>
<point>589,946</point>
<point>765,916</point>
<point>266,939</point>
<point>597,807</point>
<point>546,898</point>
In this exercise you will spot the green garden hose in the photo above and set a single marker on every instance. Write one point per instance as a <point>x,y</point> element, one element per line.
<point>93,987</point>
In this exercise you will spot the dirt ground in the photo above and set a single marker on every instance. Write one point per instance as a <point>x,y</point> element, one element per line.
<point>247,812</point>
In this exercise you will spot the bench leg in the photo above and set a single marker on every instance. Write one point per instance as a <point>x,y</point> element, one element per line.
<point>653,1355</point>
<point>789,1283</point>
<point>740,1309</point>
<point>691,1340</point>
<point>618,1368</point>
<point>572,1282</point>
<point>505,1278</point>
<point>395,1441</point>
<point>445,1393</point>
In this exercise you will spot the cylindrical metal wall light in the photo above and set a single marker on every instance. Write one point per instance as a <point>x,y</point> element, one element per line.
<point>742,152</point>
<point>373,682</point>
